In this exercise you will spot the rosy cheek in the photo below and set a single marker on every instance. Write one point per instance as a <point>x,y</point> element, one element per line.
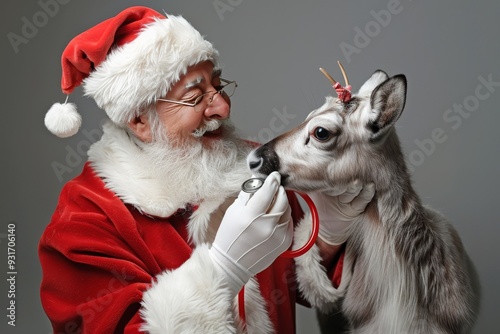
<point>190,122</point>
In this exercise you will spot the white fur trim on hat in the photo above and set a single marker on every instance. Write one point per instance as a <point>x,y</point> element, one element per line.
<point>63,120</point>
<point>133,75</point>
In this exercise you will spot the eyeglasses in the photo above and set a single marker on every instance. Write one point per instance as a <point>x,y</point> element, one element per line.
<point>228,88</point>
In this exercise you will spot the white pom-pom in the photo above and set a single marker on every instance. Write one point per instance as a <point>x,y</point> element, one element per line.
<point>63,120</point>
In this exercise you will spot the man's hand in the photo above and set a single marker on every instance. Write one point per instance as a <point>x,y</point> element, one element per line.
<point>254,231</point>
<point>340,208</point>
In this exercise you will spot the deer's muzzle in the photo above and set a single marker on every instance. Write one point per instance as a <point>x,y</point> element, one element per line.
<point>263,160</point>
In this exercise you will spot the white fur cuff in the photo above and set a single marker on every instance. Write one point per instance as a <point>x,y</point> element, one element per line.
<point>190,299</point>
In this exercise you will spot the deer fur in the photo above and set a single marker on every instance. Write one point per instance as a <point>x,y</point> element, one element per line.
<point>410,272</point>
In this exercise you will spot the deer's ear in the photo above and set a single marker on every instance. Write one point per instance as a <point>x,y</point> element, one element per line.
<point>376,79</point>
<point>387,103</point>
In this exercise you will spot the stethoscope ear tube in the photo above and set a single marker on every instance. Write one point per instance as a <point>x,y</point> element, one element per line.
<point>254,184</point>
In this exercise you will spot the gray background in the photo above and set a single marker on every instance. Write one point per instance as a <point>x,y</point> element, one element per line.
<point>273,49</point>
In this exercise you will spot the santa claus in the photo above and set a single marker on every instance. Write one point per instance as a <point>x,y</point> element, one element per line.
<point>154,235</point>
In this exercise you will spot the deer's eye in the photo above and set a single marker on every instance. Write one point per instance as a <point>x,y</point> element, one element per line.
<point>321,134</point>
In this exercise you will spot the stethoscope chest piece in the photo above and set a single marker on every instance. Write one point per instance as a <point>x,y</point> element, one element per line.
<point>252,185</point>
<point>255,183</point>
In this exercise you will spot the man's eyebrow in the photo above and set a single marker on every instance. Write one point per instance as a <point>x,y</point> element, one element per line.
<point>216,73</point>
<point>198,80</point>
<point>193,82</point>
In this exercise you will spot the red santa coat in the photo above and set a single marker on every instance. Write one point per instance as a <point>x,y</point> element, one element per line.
<point>110,266</point>
<point>99,255</point>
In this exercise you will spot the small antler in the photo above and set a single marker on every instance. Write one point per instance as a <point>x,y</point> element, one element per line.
<point>343,73</point>
<point>328,76</point>
<point>344,93</point>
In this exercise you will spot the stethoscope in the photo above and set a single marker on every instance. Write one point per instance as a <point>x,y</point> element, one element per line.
<point>251,186</point>
<point>255,183</point>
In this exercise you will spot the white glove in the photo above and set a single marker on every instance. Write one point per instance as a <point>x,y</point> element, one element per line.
<point>340,208</point>
<point>254,231</point>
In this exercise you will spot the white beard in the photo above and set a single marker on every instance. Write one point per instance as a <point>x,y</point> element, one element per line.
<point>159,178</point>
<point>193,172</point>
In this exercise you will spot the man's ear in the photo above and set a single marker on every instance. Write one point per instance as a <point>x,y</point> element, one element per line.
<point>141,128</point>
<point>387,103</point>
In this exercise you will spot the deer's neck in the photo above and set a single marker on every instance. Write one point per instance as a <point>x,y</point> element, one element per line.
<point>397,201</point>
<point>398,204</point>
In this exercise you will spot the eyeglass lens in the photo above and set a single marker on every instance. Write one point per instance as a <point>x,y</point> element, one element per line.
<point>203,100</point>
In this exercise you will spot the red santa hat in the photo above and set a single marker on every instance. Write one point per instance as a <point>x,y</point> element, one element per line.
<point>125,63</point>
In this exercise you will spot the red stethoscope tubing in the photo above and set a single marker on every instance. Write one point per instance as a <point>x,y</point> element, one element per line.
<point>290,253</point>
<point>314,233</point>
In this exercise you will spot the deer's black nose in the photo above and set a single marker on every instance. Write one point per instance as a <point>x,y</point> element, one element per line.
<point>263,160</point>
<point>254,164</point>
<point>254,161</point>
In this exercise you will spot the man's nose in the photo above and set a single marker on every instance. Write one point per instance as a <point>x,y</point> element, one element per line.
<point>218,107</point>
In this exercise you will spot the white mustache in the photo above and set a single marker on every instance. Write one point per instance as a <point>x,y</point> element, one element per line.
<point>210,125</point>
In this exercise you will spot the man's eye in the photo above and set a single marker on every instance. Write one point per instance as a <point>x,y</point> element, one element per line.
<point>191,98</point>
